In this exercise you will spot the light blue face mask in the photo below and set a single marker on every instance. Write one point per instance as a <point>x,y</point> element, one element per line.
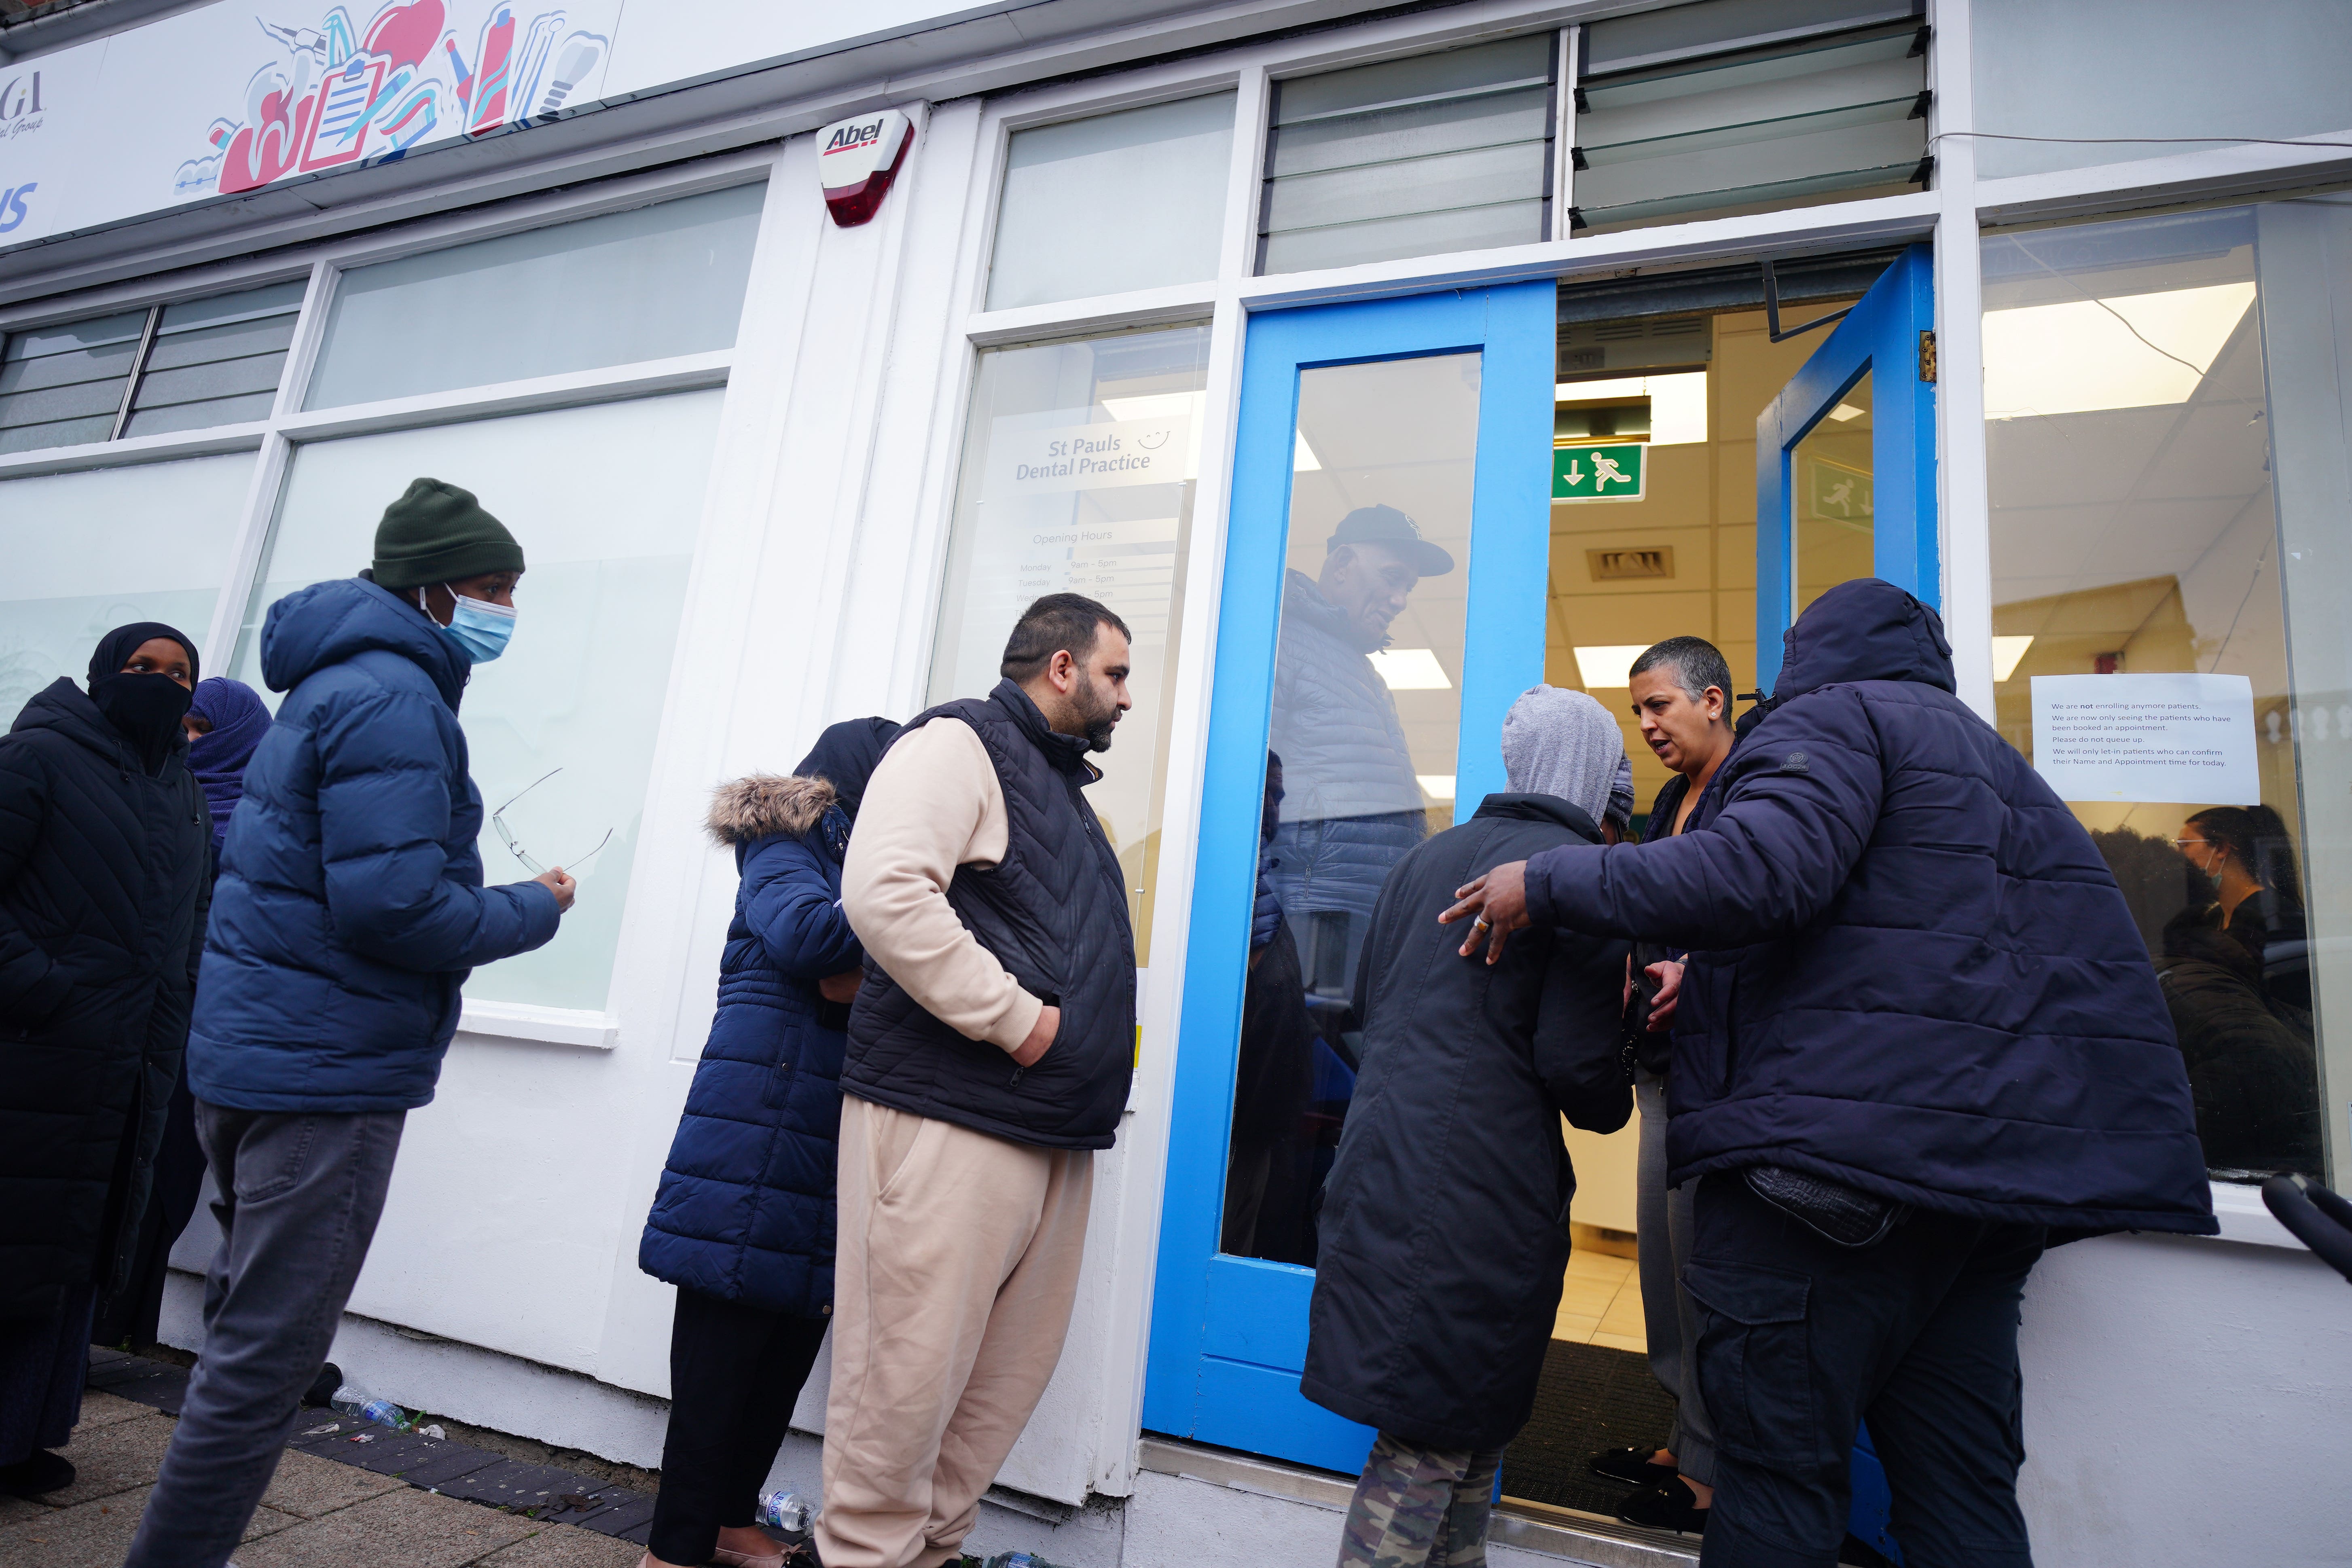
<point>480,627</point>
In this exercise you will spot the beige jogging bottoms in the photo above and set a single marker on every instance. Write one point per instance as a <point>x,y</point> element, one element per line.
<point>956,1267</point>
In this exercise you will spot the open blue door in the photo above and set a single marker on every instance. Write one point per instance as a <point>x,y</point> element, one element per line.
<point>1859,413</point>
<point>1383,603</point>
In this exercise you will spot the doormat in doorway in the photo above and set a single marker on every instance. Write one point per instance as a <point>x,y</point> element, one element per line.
<point>1591,1397</point>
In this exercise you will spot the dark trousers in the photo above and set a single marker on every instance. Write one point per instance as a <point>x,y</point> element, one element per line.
<point>44,1363</point>
<point>1800,1339</point>
<point>734,1372</point>
<point>297,1201</point>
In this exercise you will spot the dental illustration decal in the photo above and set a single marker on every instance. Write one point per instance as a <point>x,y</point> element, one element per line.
<point>335,95</point>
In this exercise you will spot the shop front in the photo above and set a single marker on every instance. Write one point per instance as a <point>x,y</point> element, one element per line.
<point>1374,365</point>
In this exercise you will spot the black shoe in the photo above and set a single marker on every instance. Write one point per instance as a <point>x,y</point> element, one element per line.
<point>44,1472</point>
<point>1631,1466</point>
<point>1670,1507</point>
<point>321,1392</point>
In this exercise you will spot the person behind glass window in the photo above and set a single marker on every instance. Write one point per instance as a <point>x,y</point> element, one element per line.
<point>1444,1237</point>
<point>349,909</point>
<point>2236,974</point>
<point>1267,1176</point>
<point>1917,1036</point>
<point>102,897</point>
<point>1681,693</point>
<point>1352,804</point>
<point>742,1223</point>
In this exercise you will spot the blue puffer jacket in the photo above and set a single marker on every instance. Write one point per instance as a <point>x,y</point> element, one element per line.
<point>1911,970</point>
<point>745,1208</point>
<point>350,905</point>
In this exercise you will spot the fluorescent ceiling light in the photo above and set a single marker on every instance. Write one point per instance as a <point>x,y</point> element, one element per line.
<point>1677,401</point>
<point>1843,411</point>
<point>1436,786</point>
<point>1411,669</point>
<point>2136,351</point>
<point>1608,665</point>
<point>1192,407</point>
<point>2006,652</point>
<point>1302,456</point>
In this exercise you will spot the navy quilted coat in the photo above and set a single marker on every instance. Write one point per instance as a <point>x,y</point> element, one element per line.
<point>350,905</point>
<point>744,1211</point>
<point>1911,970</point>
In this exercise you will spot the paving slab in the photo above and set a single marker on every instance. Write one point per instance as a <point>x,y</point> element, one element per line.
<point>163,1387</point>
<point>561,1546</point>
<point>635,1511</point>
<point>445,1463</point>
<point>307,1486</point>
<point>114,1458</point>
<point>97,1535</point>
<point>403,1529</point>
<point>588,1509</point>
<point>100,1408</point>
<point>513,1484</point>
<point>381,1449</point>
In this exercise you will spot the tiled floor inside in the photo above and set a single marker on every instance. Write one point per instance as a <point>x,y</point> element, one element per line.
<point>1600,1302</point>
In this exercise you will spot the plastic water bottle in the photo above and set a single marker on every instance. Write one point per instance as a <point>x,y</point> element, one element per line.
<point>787,1511</point>
<point>1017,1560</point>
<point>352,1400</point>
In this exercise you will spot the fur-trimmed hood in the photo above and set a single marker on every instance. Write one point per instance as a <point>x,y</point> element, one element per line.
<point>764,803</point>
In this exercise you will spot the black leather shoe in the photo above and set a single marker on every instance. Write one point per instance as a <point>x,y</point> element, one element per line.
<point>43,1473</point>
<point>1670,1507</point>
<point>1631,1466</point>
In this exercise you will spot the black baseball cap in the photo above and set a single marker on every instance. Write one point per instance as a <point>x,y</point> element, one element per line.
<point>1386,525</point>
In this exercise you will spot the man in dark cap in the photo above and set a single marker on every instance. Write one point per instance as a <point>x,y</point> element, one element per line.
<point>349,910</point>
<point>1351,806</point>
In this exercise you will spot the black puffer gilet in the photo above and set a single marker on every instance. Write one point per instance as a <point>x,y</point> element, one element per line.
<point>1053,913</point>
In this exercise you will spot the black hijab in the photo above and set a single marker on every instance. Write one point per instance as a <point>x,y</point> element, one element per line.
<point>145,709</point>
<point>845,755</point>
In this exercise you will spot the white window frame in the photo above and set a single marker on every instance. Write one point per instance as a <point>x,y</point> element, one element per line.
<point>274,439</point>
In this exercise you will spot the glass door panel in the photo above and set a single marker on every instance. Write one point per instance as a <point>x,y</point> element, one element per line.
<point>1362,736</point>
<point>1831,499</point>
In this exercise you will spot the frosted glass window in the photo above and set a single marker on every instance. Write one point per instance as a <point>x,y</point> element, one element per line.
<point>646,284</point>
<point>1029,521</point>
<point>216,361</point>
<point>2152,67</point>
<point>61,386</point>
<point>606,501</point>
<point>1834,116</point>
<point>1132,200</point>
<point>89,552</point>
<point>1445,152</point>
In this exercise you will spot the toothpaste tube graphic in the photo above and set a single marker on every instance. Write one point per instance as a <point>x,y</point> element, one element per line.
<point>496,63</point>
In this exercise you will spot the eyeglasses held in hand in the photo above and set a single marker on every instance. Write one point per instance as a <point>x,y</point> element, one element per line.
<point>514,847</point>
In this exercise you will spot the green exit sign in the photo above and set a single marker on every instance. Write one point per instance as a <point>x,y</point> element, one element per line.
<point>1598,473</point>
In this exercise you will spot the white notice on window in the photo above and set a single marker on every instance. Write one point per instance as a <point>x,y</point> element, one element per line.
<point>2176,738</point>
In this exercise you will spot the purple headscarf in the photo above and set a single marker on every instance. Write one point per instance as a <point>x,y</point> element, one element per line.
<point>218,758</point>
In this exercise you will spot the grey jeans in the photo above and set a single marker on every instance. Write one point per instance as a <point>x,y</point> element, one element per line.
<point>1662,1231</point>
<point>298,1205</point>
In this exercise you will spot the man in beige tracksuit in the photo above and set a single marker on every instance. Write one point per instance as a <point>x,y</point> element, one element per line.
<point>990,1050</point>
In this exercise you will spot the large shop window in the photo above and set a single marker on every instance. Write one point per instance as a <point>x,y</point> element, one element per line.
<point>1081,461</point>
<point>1445,151</point>
<point>89,552</point>
<point>1113,202</point>
<point>180,366</point>
<point>606,501</point>
<point>1367,713</point>
<point>650,283</point>
<point>1735,106</point>
<point>2168,69</point>
<point>2167,438</point>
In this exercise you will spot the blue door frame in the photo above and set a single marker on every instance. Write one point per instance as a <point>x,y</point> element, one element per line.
<point>1883,332</point>
<point>1229,1334</point>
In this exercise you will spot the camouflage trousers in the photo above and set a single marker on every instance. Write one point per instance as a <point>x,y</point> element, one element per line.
<point>1421,1508</point>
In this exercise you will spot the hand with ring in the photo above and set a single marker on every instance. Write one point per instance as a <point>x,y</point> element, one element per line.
<point>1499,901</point>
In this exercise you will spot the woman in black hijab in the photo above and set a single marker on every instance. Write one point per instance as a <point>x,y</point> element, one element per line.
<point>104,842</point>
<point>742,1223</point>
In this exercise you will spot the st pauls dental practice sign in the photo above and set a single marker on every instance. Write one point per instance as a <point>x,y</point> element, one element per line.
<point>240,97</point>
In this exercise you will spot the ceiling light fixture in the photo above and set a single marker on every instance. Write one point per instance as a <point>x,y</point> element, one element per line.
<point>1411,669</point>
<point>1608,665</point>
<point>2134,351</point>
<point>2006,652</point>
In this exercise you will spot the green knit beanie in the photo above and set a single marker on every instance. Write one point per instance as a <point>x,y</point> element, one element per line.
<point>436,532</point>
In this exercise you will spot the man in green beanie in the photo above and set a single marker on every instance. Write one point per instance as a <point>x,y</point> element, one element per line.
<point>349,910</point>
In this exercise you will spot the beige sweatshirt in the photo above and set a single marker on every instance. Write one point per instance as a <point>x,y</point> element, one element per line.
<point>933,804</point>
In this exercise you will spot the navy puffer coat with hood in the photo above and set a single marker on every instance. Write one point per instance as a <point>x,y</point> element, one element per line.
<point>1910,969</point>
<point>349,905</point>
<point>745,1208</point>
